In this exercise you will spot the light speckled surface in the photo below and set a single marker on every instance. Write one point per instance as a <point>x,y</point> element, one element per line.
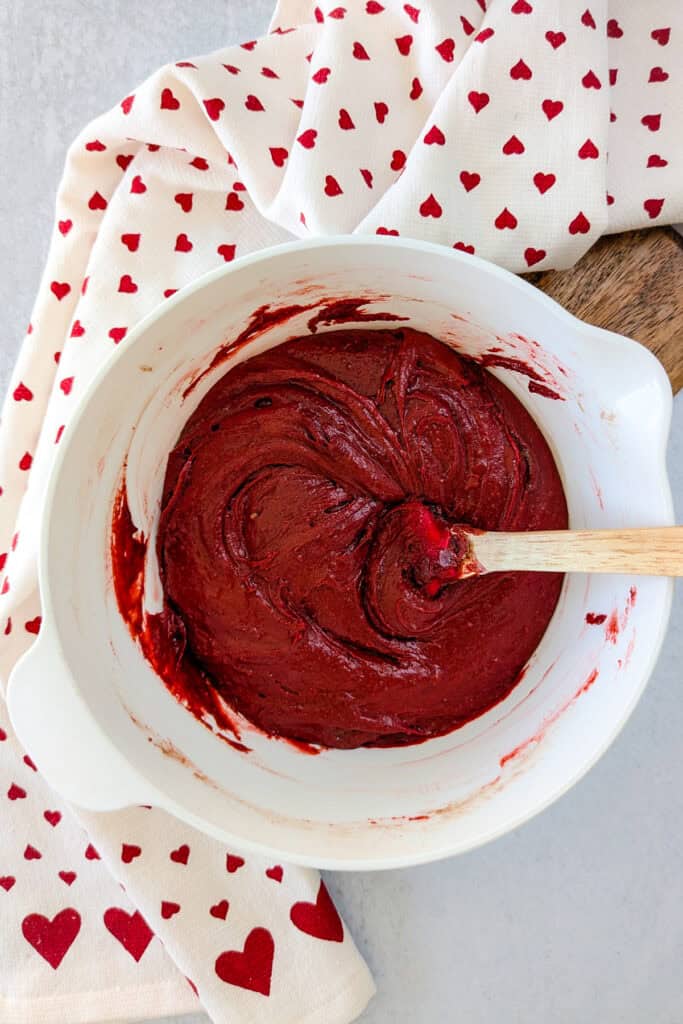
<point>577,915</point>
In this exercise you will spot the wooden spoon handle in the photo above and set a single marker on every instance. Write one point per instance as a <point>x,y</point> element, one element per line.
<point>654,551</point>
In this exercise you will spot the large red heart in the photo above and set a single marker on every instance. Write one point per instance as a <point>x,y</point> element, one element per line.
<point>319,919</point>
<point>505,219</point>
<point>520,71</point>
<point>551,108</point>
<point>214,107</point>
<point>544,181</point>
<point>52,938</point>
<point>253,967</point>
<point>478,100</point>
<point>168,100</point>
<point>131,930</point>
<point>469,180</point>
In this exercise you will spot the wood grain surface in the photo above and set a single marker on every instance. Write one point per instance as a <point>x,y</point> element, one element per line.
<point>630,283</point>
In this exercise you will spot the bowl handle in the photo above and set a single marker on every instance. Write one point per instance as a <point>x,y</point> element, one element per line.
<point>68,746</point>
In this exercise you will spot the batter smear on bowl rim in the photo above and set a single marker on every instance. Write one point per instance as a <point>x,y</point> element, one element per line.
<point>309,568</point>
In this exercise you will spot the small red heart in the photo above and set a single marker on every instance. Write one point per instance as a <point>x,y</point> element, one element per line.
<point>131,930</point>
<point>415,89</point>
<point>95,146</point>
<point>27,760</point>
<point>520,70</point>
<point>446,49</point>
<point>307,138</point>
<point>65,226</point>
<point>587,19</point>
<point>386,231</point>
<point>168,100</point>
<point>521,7</point>
<point>66,385</point>
<point>214,107</point>
<point>332,186</point>
<point>319,919</point>
<point>137,185</point>
<point>52,938</point>
<point>513,146</point>
<point>404,43</point>
<point>5,585</point>
<point>117,334</point>
<point>129,851</point>
<point>359,52</point>
<point>580,225</point>
<point>52,817</point>
<point>381,111</point>
<point>91,853</point>
<point>33,625</point>
<point>652,122</point>
<point>430,207</point>
<point>233,202</point>
<point>3,560</point>
<point>469,180</point>
<point>127,104</point>
<point>220,910</point>
<point>551,108</point>
<point>339,13</point>
<point>655,160</point>
<point>321,76</point>
<point>15,792</point>
<point>127,284</point>
<point>591,81</point>
<point>478,100</point>
<point>233,863</point>
<point>184,201</point>
<point>183,243</point>
<point>653,207</point>
<point>153,147</point>
<point>485,34</point>
<point>58,435</point>
<point>168,909</point>
<point>22,394</point>
<point>658,75</point>
<point>588,151</point>
<point>505,219</point>
<point>398,160</point>
<point>181,855</point>
<point>252,967</point>
<point>556,39</point>
<point>614,30</point>
<point>249,45</point>
<point>131,242</point>
<point>534,256</point>
<point>69,877</point>
<point>412,12</point>
<point>367,176</point>
<point>278,154</point>
<point>60,289</point>
<point>609,199</point>
<point>7,882</point>
<point>232,69</point>
<point>661,35</point>
<point>544,181</point>
<point>30,853</point>
<point>373,7</point>
<point>200,163</point>
<point>185,64</point>
<point>275,873</point>
<point>434,137</point>
<point>253,103</point>
<point>227,252</point>
<point>467,26</point>
<point>269,73</point>
<point>168,292</point>
<point>345,121</point>
<point>613,76</point>
<point>97,202</point>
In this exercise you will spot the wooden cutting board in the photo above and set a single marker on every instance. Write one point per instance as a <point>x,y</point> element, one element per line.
<point>630,283</point>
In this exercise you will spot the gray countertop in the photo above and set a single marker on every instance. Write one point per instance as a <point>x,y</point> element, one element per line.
<point>576,915</point>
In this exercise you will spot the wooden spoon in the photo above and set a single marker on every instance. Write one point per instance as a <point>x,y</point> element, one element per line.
<point>652,551</point>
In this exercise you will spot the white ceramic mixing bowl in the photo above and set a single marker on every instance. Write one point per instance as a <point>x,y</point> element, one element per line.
<point>106,732</point>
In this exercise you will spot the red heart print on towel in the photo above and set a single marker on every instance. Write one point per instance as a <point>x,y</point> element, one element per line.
<point>22,394</point>
<point>60,289</point>
<point>233,863</point>
<point>520,71</point>
<point>65,226</point>
<point>446,49</point>
<point>253,103</point>
<point>521,7</point>
<point>434,137</point>
<point>30,853</point>
<point>591,81</point>
<point>129,851</point>
<point>544,181</point>
<point>52,817</point>
<point>373,7</point>
<point>614,29</point>
<point>220,910</point>
<point>587,19</point>
<point>661,35</point>
<point>131,242</point>
<point>415,89</point>
<point>95,146</point>
<point>319,919</point>
<point>137,185</point>
<point>580,225</point>
<point>469,180</point>
<point>404,43</point>
<point>430,207</point>
<point>233,202</point>
<point>123,160</point>
<point>68,877</point>
<point>412,12</point>
<point>551,108</point>
<point>117,334</point>
<point>184,201</point>
<point>556,39</point>
<point>168,909</point>
<point>253,967</point>
<point>386,231</point>
<point>15,792</point>
<point>33,626</point>
<point>655,160</point>
<point>181,855</point>
<point>653,207</point>
<point>332,186</point>
<point>359,52</point>
<point>321,76</point>
<point>275,873</point>
<point>91,853</point>
<point>534,256</point>
<point>168,100</point>
<point>127,284</point>
<point>478,100</point>
<point>97,202</point>
<point>52,938</point>
<point>513,146</point>
<point>227,252</point>
<point>485,34</point>
<point>127,104</point>
<point>652,122</point>
<point>131,930</point>
<point>345,122</point>
<point>588,151</point>
<point>505,219</point>
<point>658,75</point>
<point>66,385</point>
<point>398,160</point>
<point>278,154</point>
<point>307,138</point>
<point>214,107</point>
<point>381,111</point>
<point>7,882</point>
<point>183,243</point>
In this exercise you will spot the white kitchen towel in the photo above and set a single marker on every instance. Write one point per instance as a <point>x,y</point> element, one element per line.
<point>519,129</point>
